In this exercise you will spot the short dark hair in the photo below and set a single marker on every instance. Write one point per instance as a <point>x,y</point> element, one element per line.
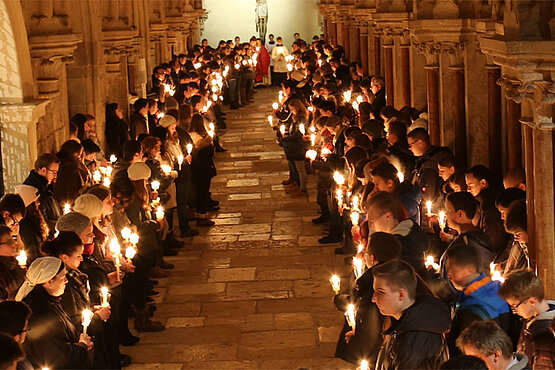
<point>386,171</point>
<point>487,337</point>
<point>121,185</point>
<point>131,148</point>
<point>386,202</point>
<point>522,284</point>
<point>517,219</point>
<point>447,160</point>
<point>419,134</point>
<point>328,106</point>
<point>196,99</point>
<point>481,172</point>
<point>464,362</point>
<point>398,128</point>
<point>13,316</point>
<point>398,274</point>
<point>458,178</point>
<point>45,160</point>
<point>140,104</point>
<point>90,146</point>
<point>462,254</point>
<point>10,351</point>
<point>355,154</point>
<point>463,201</point>
<point>66,242</point>
<point>507,196</point>
<point>12,203</point>
<point>384,247</point>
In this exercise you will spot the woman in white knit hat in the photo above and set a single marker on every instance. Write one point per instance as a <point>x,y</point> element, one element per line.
<point>53,341</point>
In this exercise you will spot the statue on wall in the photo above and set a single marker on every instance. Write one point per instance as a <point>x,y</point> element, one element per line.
<point>262,19</point>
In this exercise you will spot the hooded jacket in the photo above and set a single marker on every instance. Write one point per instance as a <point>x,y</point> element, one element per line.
<point>536,340</point>
<point>415,243</point>
<point>49,207</point>
<point>410,197</point>
<point>417,339</point>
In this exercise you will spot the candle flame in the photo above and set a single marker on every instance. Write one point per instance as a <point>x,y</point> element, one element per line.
<point>338,178</point>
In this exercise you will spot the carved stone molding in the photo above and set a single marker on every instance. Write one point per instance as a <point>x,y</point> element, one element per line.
<point>431,51</point>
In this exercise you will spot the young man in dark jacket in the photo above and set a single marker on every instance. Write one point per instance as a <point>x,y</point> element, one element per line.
<point>42,178</point>
<point>525,294</point>
<point>416,337</point>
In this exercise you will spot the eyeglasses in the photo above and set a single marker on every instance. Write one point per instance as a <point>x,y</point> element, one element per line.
<point>49,170</point>
<point>515,307</point>
<point>414,142</point>
<point>15,222</point>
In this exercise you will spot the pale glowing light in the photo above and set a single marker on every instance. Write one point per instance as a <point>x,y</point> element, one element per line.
<point>495,274</point>
<point>21,259</point>
<point>364,365</point>
<point>302,129</point>
<point>67,208</point>
<point>355,106</point>
<point>166,168</point>
<point>282,129</point>
<point>326,151</point>
<point>275,106</point>
<point>355,202</point>
<point>347,96</point>
<point>130,253</point>
<point>180,158</point>
<point>134,238</point>
<point>350,314</point>
<point>311,154</point>
<point>97,177</point>
<point>441,220</point>
<point>360,248</point>
<point>271,120</point>
<point>160,213</point>
<point>106,182</point>
<point>87,317</point>
<point>113,158</point>
<point>430,262</point>
<point>429,207</point>
<point>354,218</point>
<point>360,99</point>
<point>126,233</point>
<point>358,267</point>
<point>338,178</point>
<point>312,139</point>
<point>189,148</point>
<point>400,176</point>
<point>155,185</point>
<point>104,297</point>
<point>335,282</point>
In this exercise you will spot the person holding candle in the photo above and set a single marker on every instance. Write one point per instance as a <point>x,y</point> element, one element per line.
<point>53,339</point>
<point>73,175</point>
<point>294,145</point>
<point>141,216</point>
<point>117,130</point>
<point>414,339</point>
<point>478,300</point>
<point>11,273</point>
<point>14,322</point>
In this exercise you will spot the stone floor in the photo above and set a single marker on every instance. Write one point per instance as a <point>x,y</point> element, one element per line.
<point>252,291</point>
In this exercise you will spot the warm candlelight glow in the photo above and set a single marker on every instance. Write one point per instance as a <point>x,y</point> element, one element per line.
<point>211,133</point>
<point>430,262</point>
<point>311,154</point>
<point>302,129</point>
<point>355,106</point>
<point>312,139</point>
<point>347,96</point>
<point>106,182</point>
<point>130,253</point>
<point>113,158</point>
<point>355,202</point>
<point>310,109</point>
<point>160,213</point>
<point>87,317</point>
<point>166,168</point>
<point>155,185</point>
<point>275,106</point>
<point>339,195</point>
<point>364,365</point>
<point>134,238</point>
<point>360,99</point>
<point>67,208</point>
<point>271,120</point>
<point>358,267</point>
<point>350,315</point>
<point>400,176</point>
<point>441,220</point>
<point>189,149</point>
<point>104,296</point>
<point>180,158</point>
<point>115,249</point>
<point>197,65</point>
<point>335,283</point>
<point>360,248</point>
<point>97,177</point>
<point>325,152</point>
<point>355,217</point>
<point>338,178</point>
<point>126,233</point>
<point>289,67</point>
<point>429,207</point>
<point>22,259</point>
<point>495,274</point>
<point>282,129</point>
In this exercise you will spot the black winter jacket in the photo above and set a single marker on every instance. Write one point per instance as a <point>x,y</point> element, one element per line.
<point>49,207</point>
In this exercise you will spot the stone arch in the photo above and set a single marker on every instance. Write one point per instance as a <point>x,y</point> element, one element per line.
<point>18,111</point>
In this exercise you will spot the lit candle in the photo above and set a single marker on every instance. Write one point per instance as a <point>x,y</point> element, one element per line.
<point>115,249</point>
<point>275,106</point>
<point>87,317</point>
<point>109,171</point>
<point>211,133</point>
<point>134,239</point>
<point>289,67</point>
<point>155,185</point>
<point>350,314</point>
<point>360,99</point>
<point>311,154</point>
<point>360,248</point>
<point>211,126</point>
<point>126,233</point>
<point>167,87</point>
<point>495,274</point>
<point>312,139</point>
<point>104,297</point>
<point>400,176</point>
<point>335,283</point>
<point>189,149</point>
<point>215,97</point>
<point>113,158</point>
<point>271,120</point>
<point>354,218</point>
<point>347,96</point>
<point>244,62</point>
<point>310,109</point>
<point>67,208</point>
<point>358,267</point>
<point>197,65</point>
<point>355,202</point>
<point>282,129</point>
<point>312,128</point>
<point>97,177</point>
<point>160,114</point>
<point>355,106</point>
<point>338,178</point>
<point>106,182</point>
<point>325,152</point>
<point>364,365</point>
<point>430,262</point>
<point>167,169</point>
<point>180,158</point>
<point>319,62</point>
<point>160,213</point>
<point>237,66</point>
<point>429,207</point>
<point>302,129</point>
<point>280,96</point>
<point>441,220</point>
<point>130,253</point>
<point>22,259</point>
<point>339,195</point>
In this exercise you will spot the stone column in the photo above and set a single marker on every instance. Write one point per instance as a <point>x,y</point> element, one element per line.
<point>390,91</point>
<point>364,48</point>
<point>346,37</point>
<point>333,33</point>
<point>514,134</point>
<point>459,119</point>
<point>431,50</point>
<point>494,119</point>
<point>405,75</point>
<point>377,55</point>
<point>354,43</point>
<point>326,37</point>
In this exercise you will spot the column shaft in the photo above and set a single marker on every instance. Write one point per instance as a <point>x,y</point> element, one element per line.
<point>514,134</point>
<point>432,93</point>
<point>364,52</point>
<point>494,119</point>
<point>405,75</point>
<point>389,90</point>
<point>355,43</point>
<point>459,118</point>
<point>377,56</point>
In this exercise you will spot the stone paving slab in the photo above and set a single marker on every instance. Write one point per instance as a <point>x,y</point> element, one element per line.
<point>252,291</point>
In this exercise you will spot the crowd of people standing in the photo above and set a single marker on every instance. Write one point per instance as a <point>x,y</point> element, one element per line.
<point>441,275</point>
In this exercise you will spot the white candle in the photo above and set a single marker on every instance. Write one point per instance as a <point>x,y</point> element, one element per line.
<point>115,249</point>
<point>130,253</point>
<point>166,168</point>
<point>197,65</point>
<point>155,185</point>
<point>180,158</point>
<point>442,220</point>
<point>360,99</point>
<point>87,317</point>
<point>339,195</point>
<point>97,177</point>
<point>167,87</point>
<point>282,129</point>
<point>358,267</point>
<point>310,109</point>
<point>325,152</point>
<point>335,283</point>
<point>350,314</point>
<point>275,106</point>
<point>289,67</point>
<point>311,154</point>
<point>67,208</point>
<point>400,176</point>
<point>430,262</point>
<point>211,133</point>
<point>364,365</point>
<point>354,218</point>
<point>495,274</point>
<point>22,259</point>
<point>312,139</point>
<point>347,96</point>
<point>429,207</point>
<point>126,233</point>
<point>160,213</point>
<point>237,66</point>
<point>104,296</point>
<point>355,202</point>
<point>338,178</point>
<point>271,120</point>
<point>106,182</point>
<point>355,106</point>
<point>360,248</point>
<point>134,239</point>
<point>189,149</point>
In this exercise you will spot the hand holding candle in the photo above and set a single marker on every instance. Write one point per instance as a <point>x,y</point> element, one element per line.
<point>87,317</point>
<point>442,221</point>
<point>160,214</point>
<point>115,249</point>
<point>358,266</point>
<point>22,259</point>
<point>429,208</point>
<point>104,297</point>
<point>350,315</point>
<point>335,282</point>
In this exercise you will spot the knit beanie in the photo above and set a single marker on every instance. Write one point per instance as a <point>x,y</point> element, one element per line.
<point>167,121</point>
<point>41,271</point>
<point>88,205</point>
<point>28,193</point>
<point>73,221</point>
<point>138,171</point>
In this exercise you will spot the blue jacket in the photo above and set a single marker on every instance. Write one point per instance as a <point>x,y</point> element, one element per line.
<point>483,301</point>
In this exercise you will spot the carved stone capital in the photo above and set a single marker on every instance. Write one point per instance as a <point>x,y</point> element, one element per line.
<point>430,50</point>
